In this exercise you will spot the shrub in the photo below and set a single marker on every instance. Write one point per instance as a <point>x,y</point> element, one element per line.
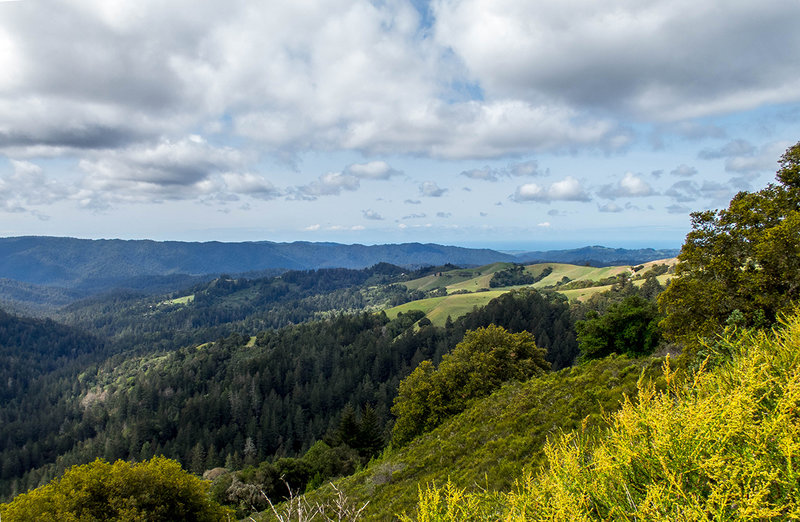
<point>721,445</point>
<point>156,490</point>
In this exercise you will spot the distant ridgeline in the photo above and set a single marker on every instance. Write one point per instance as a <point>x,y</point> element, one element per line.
<point>57,270</point>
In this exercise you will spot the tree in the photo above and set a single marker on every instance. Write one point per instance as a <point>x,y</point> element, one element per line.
<point>156,490</point>
<point>741,263</point>
<point>484,360</point>
<point>629,327</point>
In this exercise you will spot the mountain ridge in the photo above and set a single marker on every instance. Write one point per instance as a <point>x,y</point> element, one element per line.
<point>72,262</point>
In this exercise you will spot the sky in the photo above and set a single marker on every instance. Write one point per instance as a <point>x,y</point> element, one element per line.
<point>509,124</point>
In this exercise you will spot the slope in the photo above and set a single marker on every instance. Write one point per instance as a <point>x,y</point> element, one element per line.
<point>495,440</point>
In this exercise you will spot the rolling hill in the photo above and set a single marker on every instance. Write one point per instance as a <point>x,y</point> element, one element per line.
<point>38,273</point>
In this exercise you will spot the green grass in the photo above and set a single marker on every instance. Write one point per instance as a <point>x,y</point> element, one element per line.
<point>438,308</point>
<point>179,300</point>
<point>577,273</point>
<point>456,279</point>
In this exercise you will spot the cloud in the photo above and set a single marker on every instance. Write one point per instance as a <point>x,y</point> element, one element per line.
<point>251,185</point>
<point>414,216</point>
<point>344,75</point>
<point>686,191</point>
<point>444,214</point>
<point>527,169</point>
<point>412,202</point>
<point>732,148</point>
<point>349,179</point>
<point>371,214</point>
<point>568,189</point>
<point>330,184</point>
<point>530,51</point>
<point>314,227</point>
<point>485,173</point>
<point>345,227</point>
<point>27,186</point>
<point>545,224</point>
<point>684,171</point>
<point>168,170</point>
<point>763,159</point>
<point>383,77</point>
<point>372,170</point>
<point>630,186</point>
<point>609,207</point>
<point>678,209</point>
<point>431,190</point>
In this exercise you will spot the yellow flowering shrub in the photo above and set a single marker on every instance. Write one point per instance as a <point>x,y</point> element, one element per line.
<point>723,444</point>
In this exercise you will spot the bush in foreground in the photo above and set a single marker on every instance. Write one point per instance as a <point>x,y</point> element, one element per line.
<point>156,490</point>
<point>722,445</point>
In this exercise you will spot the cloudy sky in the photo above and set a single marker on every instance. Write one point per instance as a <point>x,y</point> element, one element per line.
<point>501,123</point>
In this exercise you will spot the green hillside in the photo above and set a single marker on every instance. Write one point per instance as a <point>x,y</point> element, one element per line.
<point>495,440</point>
<point>437,309</point>
<point>473,286</point>
<point>456,279</point>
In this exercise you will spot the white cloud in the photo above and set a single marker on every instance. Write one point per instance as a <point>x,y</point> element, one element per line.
<point>567,189</point>
<point>333,183</point>
<point>524,169</point>
<point>545,224</point>
<point>431,190</point>
<point>372,170</point>
<point>27,186</point>
<point>330,184</point>
<point>185,169</point>
<point>371,214</point>
<point>631,186</point>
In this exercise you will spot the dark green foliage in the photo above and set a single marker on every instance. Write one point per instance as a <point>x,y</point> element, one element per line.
<point>249,489</point>
<point>514,275</point>
<point>486,358</point>
<point>227,305</point>
<point>745,258</point>
<point>497,438</point>
<point>544,314</point>
<point>235,401</point>
<point>629,327</point>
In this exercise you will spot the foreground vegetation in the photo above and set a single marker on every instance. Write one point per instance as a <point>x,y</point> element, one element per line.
<point>721,445</point>
<point>157,490</point>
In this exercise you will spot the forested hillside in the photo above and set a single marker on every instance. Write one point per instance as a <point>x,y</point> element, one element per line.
<point>713,437</point>
<point>243,399</point>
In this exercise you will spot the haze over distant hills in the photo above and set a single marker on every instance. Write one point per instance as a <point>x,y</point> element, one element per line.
<point>59,269</point>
